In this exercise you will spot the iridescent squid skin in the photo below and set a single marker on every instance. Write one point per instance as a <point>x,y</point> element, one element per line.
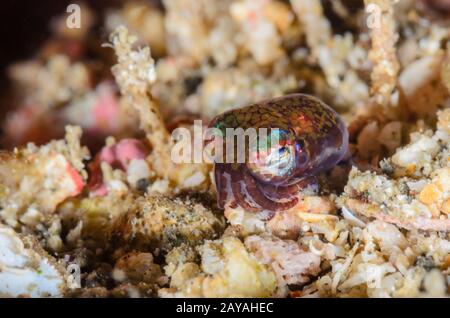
<point>312,138</point>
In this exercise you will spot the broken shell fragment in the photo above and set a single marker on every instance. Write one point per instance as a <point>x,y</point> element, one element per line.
<point>26,270</point>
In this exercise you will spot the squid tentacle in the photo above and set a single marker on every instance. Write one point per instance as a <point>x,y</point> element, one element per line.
<point>239,189</point>
<point>222,185</point>
<point>283,192</point>
<point>260,198</point>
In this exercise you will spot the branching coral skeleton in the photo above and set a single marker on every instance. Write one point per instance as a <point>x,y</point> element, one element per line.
<point>135,73</point>
<point>383,52</point>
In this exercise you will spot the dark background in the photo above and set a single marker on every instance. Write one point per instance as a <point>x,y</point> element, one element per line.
<point>24,27</point>
<point>25,24</point>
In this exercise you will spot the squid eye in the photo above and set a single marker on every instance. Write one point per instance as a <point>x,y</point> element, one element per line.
<point>275,163</point>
